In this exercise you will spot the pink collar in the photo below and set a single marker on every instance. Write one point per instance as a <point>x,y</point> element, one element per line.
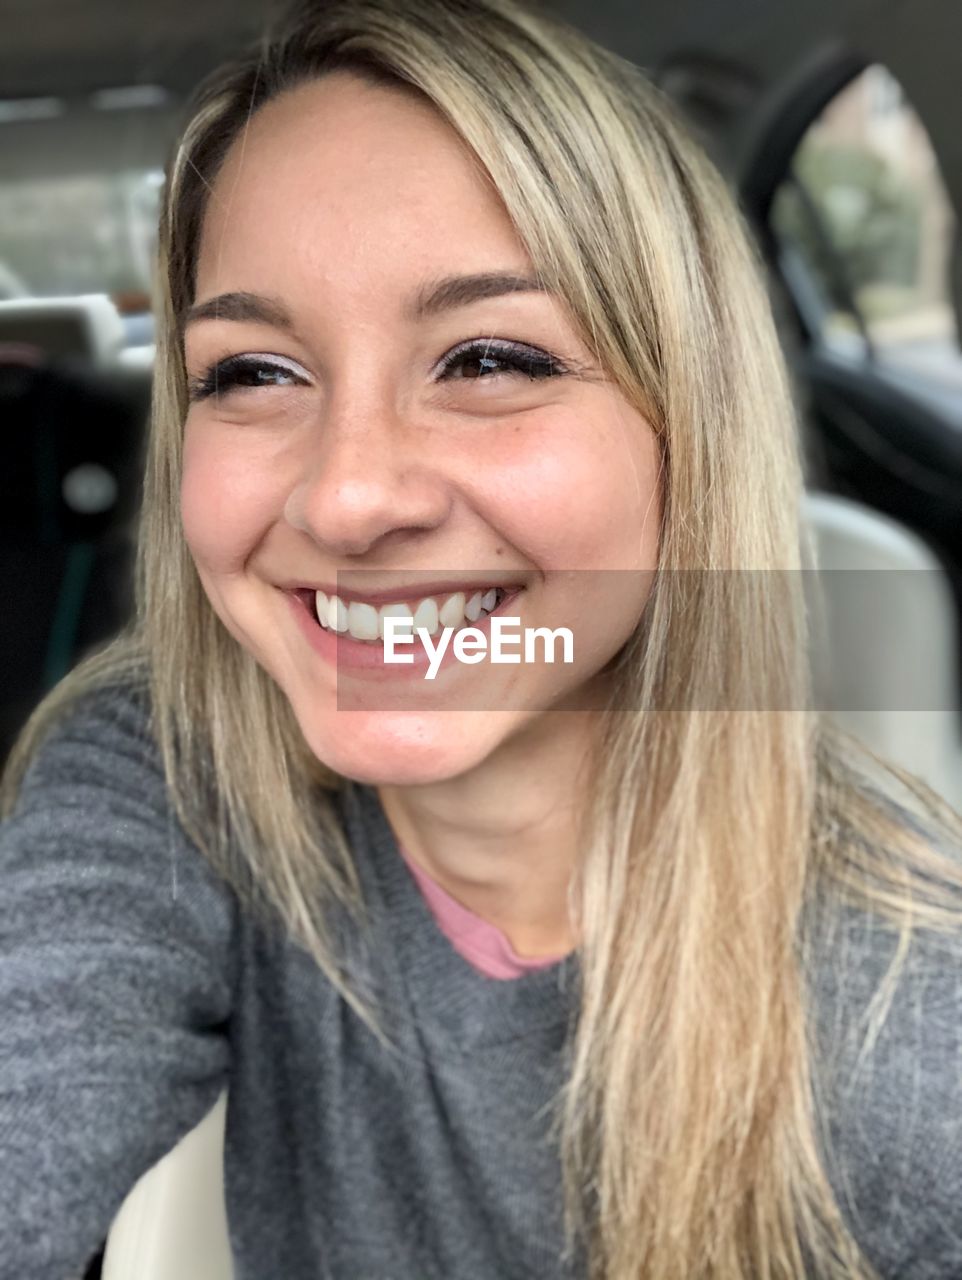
<point>482,944</point>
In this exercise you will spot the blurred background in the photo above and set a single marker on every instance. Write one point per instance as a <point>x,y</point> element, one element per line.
<point>836,126</point>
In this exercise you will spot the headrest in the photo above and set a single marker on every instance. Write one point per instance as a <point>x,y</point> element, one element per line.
<point>87,327</point>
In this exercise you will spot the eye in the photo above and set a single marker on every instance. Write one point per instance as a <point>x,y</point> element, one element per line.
<point>246,372</point>
<point>481,360</point>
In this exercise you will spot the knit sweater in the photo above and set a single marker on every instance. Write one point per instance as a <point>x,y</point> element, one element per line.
<point>134,988</point>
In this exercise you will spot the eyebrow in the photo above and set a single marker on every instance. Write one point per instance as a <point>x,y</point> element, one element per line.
<point>241,307</point>
<point>430,300</point>
<point>458,291</point>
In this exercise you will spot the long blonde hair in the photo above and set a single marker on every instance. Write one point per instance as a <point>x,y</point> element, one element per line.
<point>688,1131</point>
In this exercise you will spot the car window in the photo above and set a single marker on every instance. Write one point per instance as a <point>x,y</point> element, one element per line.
<point>865,227</point>
<point>86,233</point>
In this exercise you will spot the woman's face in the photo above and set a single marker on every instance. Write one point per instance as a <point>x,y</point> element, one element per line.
<point>350,444</point>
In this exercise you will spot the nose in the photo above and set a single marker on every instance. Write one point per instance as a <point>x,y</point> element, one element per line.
<point>365,478</point>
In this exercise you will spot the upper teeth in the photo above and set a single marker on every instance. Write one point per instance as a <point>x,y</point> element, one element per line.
<point>366,621</point>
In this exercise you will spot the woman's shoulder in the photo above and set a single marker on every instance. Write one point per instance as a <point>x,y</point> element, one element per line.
<point>886,1001</point>
<point>106,721</point>
<point>92,814</point>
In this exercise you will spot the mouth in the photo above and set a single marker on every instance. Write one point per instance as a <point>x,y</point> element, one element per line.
<point>363,622</point>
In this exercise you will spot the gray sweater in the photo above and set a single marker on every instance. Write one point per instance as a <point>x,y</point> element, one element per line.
<point>132,988</point>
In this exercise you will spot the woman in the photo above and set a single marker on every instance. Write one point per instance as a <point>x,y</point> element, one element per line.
<point>622,967</point>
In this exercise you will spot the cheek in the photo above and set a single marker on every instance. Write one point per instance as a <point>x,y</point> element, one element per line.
<point>586,496</point>
<point>227,502</point>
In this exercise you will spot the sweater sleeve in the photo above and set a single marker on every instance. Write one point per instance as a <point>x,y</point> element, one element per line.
<point>115,986</point>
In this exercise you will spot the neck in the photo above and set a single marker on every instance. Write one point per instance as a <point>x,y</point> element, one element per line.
<point>502,838</point>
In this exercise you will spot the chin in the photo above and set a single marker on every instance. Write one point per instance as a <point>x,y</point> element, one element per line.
<point>413,748</point>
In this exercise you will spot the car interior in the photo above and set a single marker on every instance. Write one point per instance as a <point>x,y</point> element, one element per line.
<point>836,126</point>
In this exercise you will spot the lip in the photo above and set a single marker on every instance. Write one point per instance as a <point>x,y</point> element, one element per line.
<point>412,591</point>
<point>364,659</point>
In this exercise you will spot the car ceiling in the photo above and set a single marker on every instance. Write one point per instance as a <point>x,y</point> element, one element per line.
<point>72,46</point>
<point>758,49</point>
<point>76,45</point>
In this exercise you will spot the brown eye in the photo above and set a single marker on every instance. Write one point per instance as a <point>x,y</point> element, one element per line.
<point>241,373</point>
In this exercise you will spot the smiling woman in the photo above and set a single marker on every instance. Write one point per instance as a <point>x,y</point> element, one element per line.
<point>377,413</point>
<point>563,969</point>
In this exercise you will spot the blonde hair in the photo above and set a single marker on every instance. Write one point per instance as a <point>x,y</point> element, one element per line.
<point>688,1129</point>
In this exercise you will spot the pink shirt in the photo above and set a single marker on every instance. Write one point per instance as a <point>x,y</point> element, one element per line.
<point>482,944</point>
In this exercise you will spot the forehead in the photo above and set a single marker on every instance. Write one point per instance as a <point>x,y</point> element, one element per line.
<point>351,182</point>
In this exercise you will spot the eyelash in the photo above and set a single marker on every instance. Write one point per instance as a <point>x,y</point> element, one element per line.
<point>226,375</point>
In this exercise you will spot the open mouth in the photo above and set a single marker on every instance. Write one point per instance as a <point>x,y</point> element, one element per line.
<point>364,623</point>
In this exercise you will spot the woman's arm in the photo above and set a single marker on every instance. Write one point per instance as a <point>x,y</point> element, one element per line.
<point>115,987</point>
